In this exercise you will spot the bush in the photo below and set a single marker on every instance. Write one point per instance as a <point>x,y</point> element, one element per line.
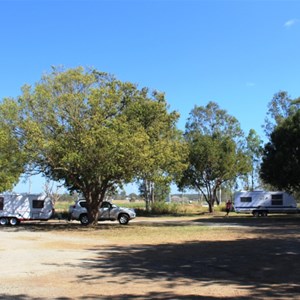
<point>163,208</point>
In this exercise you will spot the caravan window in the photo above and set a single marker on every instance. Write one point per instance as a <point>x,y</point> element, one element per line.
<point>37,203</point>
<point>246,199</point>
<point>1,203</point>
<point>277,199</point>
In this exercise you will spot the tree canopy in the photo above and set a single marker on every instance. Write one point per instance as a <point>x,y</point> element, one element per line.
<point>166,155</point>
<point>280,107</point>
<point>86,129</point>
<point>12,159</point>
<point>281,158</point>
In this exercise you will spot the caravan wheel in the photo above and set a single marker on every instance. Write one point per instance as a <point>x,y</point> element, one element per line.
<point>3,221</point>
<point>264,213</point>
<point>13,221</point>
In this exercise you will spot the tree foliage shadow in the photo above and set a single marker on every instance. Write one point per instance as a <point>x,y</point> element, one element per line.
<point>284,220</point>
<point>64,225</point>
<point>58,226</point>
<point>269,267</point>
<point>151,295</point>
<point>255,264</point>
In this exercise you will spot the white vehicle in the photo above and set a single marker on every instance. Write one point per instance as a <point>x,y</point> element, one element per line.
<point>261,203</point>
<point>15,208</point>
<point>107,211</point>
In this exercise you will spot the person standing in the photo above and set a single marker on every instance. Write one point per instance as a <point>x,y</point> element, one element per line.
<point>228,207</point>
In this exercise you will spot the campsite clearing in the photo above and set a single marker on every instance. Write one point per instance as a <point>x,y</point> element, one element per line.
<point>153,258</point>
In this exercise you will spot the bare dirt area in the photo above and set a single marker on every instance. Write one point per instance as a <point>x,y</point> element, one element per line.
<point>153,258</point>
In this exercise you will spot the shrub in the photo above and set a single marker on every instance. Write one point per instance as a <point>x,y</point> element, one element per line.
<point>163,208</point>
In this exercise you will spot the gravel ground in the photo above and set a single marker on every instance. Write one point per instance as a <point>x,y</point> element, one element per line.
<point>256,259</point>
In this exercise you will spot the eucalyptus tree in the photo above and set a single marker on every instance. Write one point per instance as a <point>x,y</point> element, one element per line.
<point>77,126</point>
<point>216,151</point>
<point>280,107</point>
<point>165,157</point>
<point>254,146</point>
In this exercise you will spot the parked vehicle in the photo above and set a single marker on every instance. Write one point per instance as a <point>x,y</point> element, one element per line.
<point>107,211</point>
<point>15,208</point>
<point>262,203</point>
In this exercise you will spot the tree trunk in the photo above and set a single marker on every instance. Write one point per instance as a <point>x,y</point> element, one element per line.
<point>211,205</point>
<point>149,194</point>
<point>93,214</point>
<point>94,201</point>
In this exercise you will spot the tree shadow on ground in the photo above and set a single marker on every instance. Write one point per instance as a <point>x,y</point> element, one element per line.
<point>151,295</point>
<point>266,267</point>
<point>57,226</point>
<point>250,220</point>
<point>235,220</point>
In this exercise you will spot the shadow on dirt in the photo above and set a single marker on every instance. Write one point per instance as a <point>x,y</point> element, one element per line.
<point>267,267</point>
<point>257,224</point>
<point>236,221</point>
<point>152,295</point>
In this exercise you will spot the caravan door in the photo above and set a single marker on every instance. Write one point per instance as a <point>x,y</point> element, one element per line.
<point>41,207</point>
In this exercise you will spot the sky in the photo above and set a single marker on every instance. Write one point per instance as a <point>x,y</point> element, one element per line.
<point>238,53</point>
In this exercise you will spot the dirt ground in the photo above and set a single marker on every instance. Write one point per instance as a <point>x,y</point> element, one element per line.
<point>222,258</point>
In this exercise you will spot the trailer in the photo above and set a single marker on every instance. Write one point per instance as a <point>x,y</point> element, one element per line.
<point>15,208</point>
<point>262,203</point>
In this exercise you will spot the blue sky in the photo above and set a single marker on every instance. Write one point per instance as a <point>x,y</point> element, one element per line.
<point>236,53</point>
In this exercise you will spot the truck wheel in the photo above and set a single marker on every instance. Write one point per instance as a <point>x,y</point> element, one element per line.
<point>255,214</point>
<point>3,221</point>
<point>84,220</point>
<point>123,219</point>
<point>13,221</point>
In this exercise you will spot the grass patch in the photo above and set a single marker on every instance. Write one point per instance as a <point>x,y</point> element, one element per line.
<point>161,234</point>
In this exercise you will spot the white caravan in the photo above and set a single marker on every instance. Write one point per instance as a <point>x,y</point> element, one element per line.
<point>15,208</point>
<point>260,203</point>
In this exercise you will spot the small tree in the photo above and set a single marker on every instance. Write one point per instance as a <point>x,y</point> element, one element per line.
<point>254,151</point>
<point>52,191</point>
<point>155,191</point>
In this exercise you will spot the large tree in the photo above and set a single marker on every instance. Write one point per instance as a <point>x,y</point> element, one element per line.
<point>166,156</point>
<point>12,160</point>
<point>216,153</point>
<point>281,158</point>
<point>279,108</point>
<point>78,128</point>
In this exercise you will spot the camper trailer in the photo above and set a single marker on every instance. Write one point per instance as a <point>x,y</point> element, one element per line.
<point>15,208</point>
<point>262,203</point>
